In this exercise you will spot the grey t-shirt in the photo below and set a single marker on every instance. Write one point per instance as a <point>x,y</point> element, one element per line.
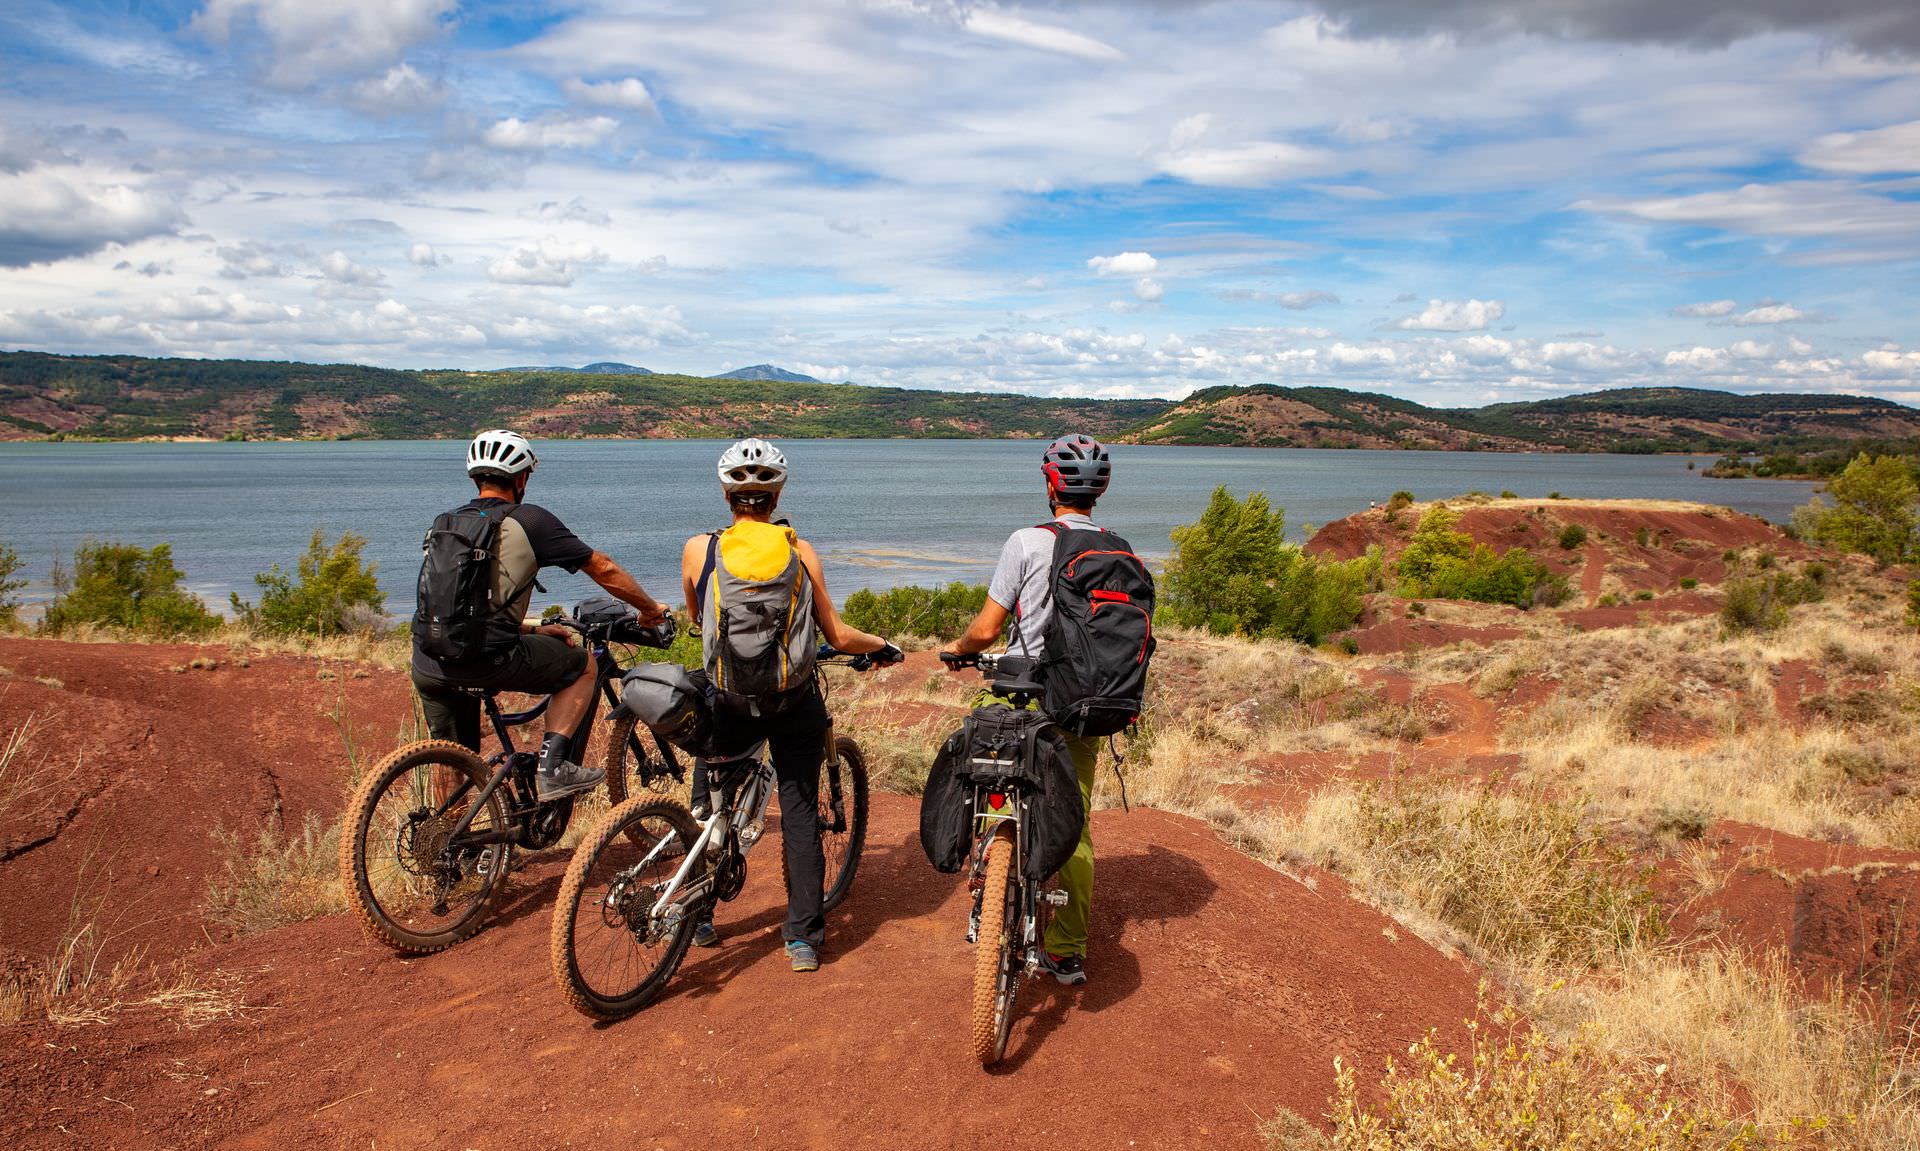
<point>1023,585</point>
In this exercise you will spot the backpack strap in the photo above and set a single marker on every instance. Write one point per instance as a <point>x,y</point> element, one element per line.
<point>706,573</point>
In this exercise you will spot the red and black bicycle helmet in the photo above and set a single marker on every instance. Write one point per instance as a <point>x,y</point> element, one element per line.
<point>1077,469</point>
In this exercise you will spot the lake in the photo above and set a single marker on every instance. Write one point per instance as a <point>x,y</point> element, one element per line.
<point>881,512</point>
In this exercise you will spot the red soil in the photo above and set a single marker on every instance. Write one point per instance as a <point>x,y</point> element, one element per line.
<point>1397,635</point>
<point>1221,988</point>
<point>1841,913</point>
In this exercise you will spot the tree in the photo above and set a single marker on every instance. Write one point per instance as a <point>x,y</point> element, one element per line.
<point>1873,511</point>
<point>335,591</point>
<point>10,583</point>
<point>126,586</point>
<point>1234,573</point>
<point>1443,563</point>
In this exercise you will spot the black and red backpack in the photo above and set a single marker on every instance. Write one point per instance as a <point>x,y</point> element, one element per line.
<point>1100,636</point>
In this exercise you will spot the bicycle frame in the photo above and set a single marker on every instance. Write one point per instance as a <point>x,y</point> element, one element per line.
<point>744,814</point>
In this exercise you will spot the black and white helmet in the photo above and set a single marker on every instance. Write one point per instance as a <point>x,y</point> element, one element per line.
<point>752,465</point>
<point>499,452</point>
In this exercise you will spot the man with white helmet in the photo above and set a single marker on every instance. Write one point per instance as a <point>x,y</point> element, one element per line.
<point>758,594</point>
<point>517,656</point>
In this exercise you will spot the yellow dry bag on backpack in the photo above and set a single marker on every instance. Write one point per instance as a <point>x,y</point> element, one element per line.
<point>757,613</point>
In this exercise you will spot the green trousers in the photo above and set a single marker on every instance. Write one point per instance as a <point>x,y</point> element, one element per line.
<point>1067,931</point>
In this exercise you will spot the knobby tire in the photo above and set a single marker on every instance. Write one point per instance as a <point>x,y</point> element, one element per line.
<point>622,831</point>
<point>354,874</point>
<point>994,980</point>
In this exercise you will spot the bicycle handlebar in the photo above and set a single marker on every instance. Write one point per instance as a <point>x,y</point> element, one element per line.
<point>865,661</point>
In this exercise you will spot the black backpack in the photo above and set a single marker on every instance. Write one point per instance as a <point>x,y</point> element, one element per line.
<point>454,616</point>
<point>1100,637</point>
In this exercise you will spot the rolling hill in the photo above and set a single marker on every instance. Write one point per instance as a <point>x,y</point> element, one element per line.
<point>133,397</point>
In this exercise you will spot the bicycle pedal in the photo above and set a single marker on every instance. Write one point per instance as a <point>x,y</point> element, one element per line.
<point>1055,897</point>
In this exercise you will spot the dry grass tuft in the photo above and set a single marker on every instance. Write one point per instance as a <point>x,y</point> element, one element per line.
<point>277,879</point>
<point>32,786</point>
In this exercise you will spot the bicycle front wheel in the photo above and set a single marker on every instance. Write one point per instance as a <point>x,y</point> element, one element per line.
<point>410,882</point>
<point>996,978</point>
<point>611,955</point>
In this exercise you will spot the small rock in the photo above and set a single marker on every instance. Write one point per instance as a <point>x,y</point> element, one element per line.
<point>153,871</point>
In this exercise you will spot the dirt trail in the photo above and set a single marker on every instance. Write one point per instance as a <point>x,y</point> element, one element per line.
<point>1222,988</point>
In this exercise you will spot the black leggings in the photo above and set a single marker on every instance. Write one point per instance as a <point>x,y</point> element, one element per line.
<point>797,740</point>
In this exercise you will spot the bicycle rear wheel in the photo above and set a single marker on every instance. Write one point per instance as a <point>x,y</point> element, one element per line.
<point>412,889</point>
<point>610,955</point>
<point>996,979</point>
<point>843,821</point>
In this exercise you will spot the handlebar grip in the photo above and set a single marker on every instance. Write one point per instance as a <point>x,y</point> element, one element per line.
<point>956,660</point>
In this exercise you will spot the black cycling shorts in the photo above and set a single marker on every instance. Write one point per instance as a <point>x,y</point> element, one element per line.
<point>535,664</point>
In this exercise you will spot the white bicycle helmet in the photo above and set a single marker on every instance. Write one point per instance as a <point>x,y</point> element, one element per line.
<point>752,465</point>
<point>500,452</point>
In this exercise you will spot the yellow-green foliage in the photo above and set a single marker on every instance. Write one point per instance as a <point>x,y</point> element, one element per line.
<point>129,587</point>
<point>1517,1092</point>
<point>1873,511</point>
<point>10,583</point>
<point>332,592</point>
<point>1443,563</point>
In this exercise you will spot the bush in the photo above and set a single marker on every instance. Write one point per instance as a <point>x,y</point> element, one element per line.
<point>1688,583</point>
<point>1516,1092</point>
<point>924,611</point>
<point>1572,536</point>
<point>1873,511</point>
<point>1234,573</point>
<point>1443,563</point>
<point>125,586</point>
<point>1760,603</point>
<point>335,592</point>
<point>10,583</point>
<point>1913,603</point>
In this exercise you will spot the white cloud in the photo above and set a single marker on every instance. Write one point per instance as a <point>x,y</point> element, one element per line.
<point>551,262</point>
<point>1696,358</point>
<point>399,89</point>
<point>1248,165</point>
<point>1005,26</point>
<point>1708,309</point>
<point>574,211</point>
<point>1298,301</point>
<point>423,254</point>
<point>319,40</point>
<point>1352,356</point>
<point>629,93</point>
<point>1149,289</point>
<point>1188,132</point>
<point>1803,208</point>
<point>516,135</point>
<point>1124,264</point>
<point>1771,314</point>
<point>1454,316</point>
<point>338,267</point>
<point>1891,149</point>
<point>49,214</point>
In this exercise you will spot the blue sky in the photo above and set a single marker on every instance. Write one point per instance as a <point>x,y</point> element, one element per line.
<point>1457,201</point>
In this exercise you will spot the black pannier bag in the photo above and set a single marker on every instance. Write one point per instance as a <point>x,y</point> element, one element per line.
<point>1099,638</point>
<point>454,618</point>
<point>1003,743</point>
<point>675,702</point>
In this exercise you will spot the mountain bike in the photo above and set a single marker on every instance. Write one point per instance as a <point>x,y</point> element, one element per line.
<point>429,834</point>
<point>648,869</point>
<point>1008,921</point>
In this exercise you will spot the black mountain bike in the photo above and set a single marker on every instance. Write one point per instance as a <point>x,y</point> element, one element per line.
<point>648,868</point>
<point>430,832</point>
<point>1008,923</point>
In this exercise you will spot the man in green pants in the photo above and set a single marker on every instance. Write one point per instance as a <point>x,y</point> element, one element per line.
<point>1076,470</point>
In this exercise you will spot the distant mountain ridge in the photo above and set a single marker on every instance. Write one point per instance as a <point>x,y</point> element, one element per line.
<point>603,368</point>
<point>134,397</point>
<point>765,372</point>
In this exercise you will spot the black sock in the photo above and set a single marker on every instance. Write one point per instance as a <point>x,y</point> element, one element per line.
<point>553,752</point>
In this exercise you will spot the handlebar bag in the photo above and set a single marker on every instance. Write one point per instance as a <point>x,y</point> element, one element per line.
<point>674,702</point>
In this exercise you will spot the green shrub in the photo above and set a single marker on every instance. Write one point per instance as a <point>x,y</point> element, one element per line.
<point>1555,496</point>
<point>1873,511</point>
<point>1688,583</point>
<point>1913,603</point>
<point>1640,537</point>
<point>941,612</point>
<point>334,593</point>
<point>1760,603</point>
<point>10,583</point>
<point>1442,563</point>
<point>126,586</point>
<point>1507,494</point>
<point>1234,573</point>
<point>1572,536</point>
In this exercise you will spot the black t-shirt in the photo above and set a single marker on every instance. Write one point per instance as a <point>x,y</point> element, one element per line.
<point>553,545</point>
